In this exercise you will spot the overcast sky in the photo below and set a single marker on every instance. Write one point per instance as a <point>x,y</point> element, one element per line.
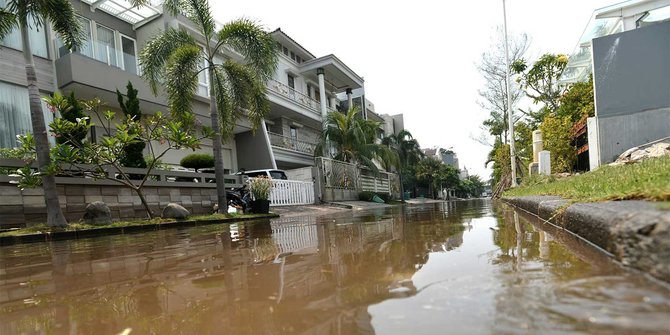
<point>419,57</point>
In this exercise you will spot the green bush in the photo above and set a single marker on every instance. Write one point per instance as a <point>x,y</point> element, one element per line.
<point>197,161</point>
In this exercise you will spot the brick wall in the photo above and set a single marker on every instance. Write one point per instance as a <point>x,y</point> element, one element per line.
<point>19,207</point>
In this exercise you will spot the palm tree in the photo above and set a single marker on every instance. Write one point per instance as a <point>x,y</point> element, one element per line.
<point>173,58</point>
<point>407,150</point>
<point>353,139</point>
<point>37,14</point>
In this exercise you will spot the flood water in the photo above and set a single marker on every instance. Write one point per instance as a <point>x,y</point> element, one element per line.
<point>449,268</point>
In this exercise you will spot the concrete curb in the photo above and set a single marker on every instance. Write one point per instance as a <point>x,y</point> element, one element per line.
<point>636,233</point>
<point>104,231</point>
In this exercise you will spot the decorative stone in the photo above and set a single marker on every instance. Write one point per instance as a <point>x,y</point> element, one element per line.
<point>659,150</point>
<point>544,163</point>
<point>97,213</point>
<point>175,211</point>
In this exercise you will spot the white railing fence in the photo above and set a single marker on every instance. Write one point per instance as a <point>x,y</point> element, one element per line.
<point>291,192</point>
<point>348,176</point>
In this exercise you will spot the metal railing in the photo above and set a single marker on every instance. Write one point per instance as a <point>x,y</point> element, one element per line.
<point>301,99</point>
<point>287,142</point>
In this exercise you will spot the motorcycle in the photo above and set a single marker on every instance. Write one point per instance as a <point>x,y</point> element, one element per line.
<point>239,198</point>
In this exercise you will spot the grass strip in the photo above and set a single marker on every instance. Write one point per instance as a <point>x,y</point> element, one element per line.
<point>645,180</point>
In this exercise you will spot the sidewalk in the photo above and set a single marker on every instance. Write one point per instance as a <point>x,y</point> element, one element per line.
<point>636,233</point>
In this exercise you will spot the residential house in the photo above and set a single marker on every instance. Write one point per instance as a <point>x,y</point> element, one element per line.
<point>303,90</point>
<point>626,47</point>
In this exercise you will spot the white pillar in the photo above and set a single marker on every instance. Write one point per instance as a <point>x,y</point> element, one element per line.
<point>545,163</point>
<point>537,144</point>
<point>322,92</point>
<point>350,99</point>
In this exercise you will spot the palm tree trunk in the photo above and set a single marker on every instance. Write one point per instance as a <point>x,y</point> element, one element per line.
<point>55,217</point>
<point>402,188</point>
<point>217,147</point>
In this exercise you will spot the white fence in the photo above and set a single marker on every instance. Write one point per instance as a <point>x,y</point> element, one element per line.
<point>291,192</point>
<point>347,176</point>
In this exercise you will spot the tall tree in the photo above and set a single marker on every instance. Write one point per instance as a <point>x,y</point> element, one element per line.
<point>175,59</point>
<point>494,93</point>
<point>133,153</point>
<point>540,82</point>
<point>37,14</point>
<point>407,150</point>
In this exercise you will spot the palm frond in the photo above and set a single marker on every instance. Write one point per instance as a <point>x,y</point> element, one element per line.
<point>199,12</point>
<point>254,43</point>
<point>174,7</point>
<point>245,93</point>
<point>156,53</point>
<point>63,20</point>
<point>7,22</point>
<point>181,73</point>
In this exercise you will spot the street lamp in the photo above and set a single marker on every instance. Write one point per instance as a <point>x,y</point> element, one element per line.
<point>509,102</point>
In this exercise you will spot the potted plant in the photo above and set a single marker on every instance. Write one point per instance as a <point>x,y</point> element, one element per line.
<point>260,188</point>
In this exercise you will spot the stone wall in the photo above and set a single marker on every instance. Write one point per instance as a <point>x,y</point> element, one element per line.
<point>21,207</point>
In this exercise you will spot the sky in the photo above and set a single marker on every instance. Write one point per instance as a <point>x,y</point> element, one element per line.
<point>419,58</point>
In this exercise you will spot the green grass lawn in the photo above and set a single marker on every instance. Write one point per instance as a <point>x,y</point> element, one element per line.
<point>79,226</point>
<point>649,180</point>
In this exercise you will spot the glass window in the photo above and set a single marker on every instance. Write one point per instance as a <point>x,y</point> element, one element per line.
<point>38,38</point>
<point>15,114</point>
<point>86,48</point>
<point>203,79</point>
<point>129,56</point>
<point>105,50</point>
<point>291,81</point>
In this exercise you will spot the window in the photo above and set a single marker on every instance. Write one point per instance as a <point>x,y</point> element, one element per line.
<point>292,55</point>
<point>294,135</point>
<point>286,51</point>
<point>105,46</point>
<point>15,114</point>
<point>203,79</point>
<point>129,54</point>
<point>38,38</point>
<point>291,81</point>
<point>298,59</point>
<point>309,91</point>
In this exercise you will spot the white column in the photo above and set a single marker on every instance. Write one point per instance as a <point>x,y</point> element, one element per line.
<point>537,145</point>
<point>322,92</point>
<point>350,99</point>
<point>545,163</point>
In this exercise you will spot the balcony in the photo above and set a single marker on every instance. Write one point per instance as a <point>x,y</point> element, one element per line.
<point>286,142</point>
<point>296,97</point>
<point>100,75</point>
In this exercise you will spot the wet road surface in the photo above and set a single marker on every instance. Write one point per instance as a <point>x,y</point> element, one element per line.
<point>448,268</point>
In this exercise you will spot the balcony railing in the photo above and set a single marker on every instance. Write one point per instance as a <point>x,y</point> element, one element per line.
<point>301,99</point>
<point>287,142</point>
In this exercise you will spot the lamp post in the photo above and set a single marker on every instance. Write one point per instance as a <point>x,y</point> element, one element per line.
<point>509,102</point>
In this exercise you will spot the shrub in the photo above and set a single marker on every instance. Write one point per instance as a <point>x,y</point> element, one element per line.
<point>197,161</point>
<point>260,187</point>
<point>132,152</point>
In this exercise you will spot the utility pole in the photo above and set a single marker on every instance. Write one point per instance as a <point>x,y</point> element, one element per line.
<point>509,102</point>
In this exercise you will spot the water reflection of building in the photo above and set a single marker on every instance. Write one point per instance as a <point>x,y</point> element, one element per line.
<point>301,276</point>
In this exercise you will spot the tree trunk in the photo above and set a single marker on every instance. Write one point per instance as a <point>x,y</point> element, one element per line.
<point>402,188</point>
<point>144,202</point>
<point>55,217</point>
<point>217,147</point>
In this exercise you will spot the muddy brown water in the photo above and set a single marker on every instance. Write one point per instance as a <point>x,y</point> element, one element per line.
<point>451,268</point>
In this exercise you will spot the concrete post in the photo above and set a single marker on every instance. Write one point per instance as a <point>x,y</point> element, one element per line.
<point>545,163</point>
<point>537,145</point>
<point>350,98</point>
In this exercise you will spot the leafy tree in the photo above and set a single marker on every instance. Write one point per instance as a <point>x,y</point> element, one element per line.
<point>173,58</point>
<point>38,14</point>
<point>408,151</point>
<point>102,160</point>
<point>197,161</point>
<point>577,103</point>
<point>352,140</point>
<point>436,175</point>
<point>540,82</point>
<point>69,109</point>
<point>133,153</point>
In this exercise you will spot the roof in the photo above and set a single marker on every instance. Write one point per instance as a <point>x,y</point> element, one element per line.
<point>279,31</point>
<point>125,10</point>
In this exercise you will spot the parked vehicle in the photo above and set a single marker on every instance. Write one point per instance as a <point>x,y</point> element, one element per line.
<point>270,173</point>
<point>239,197</point>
